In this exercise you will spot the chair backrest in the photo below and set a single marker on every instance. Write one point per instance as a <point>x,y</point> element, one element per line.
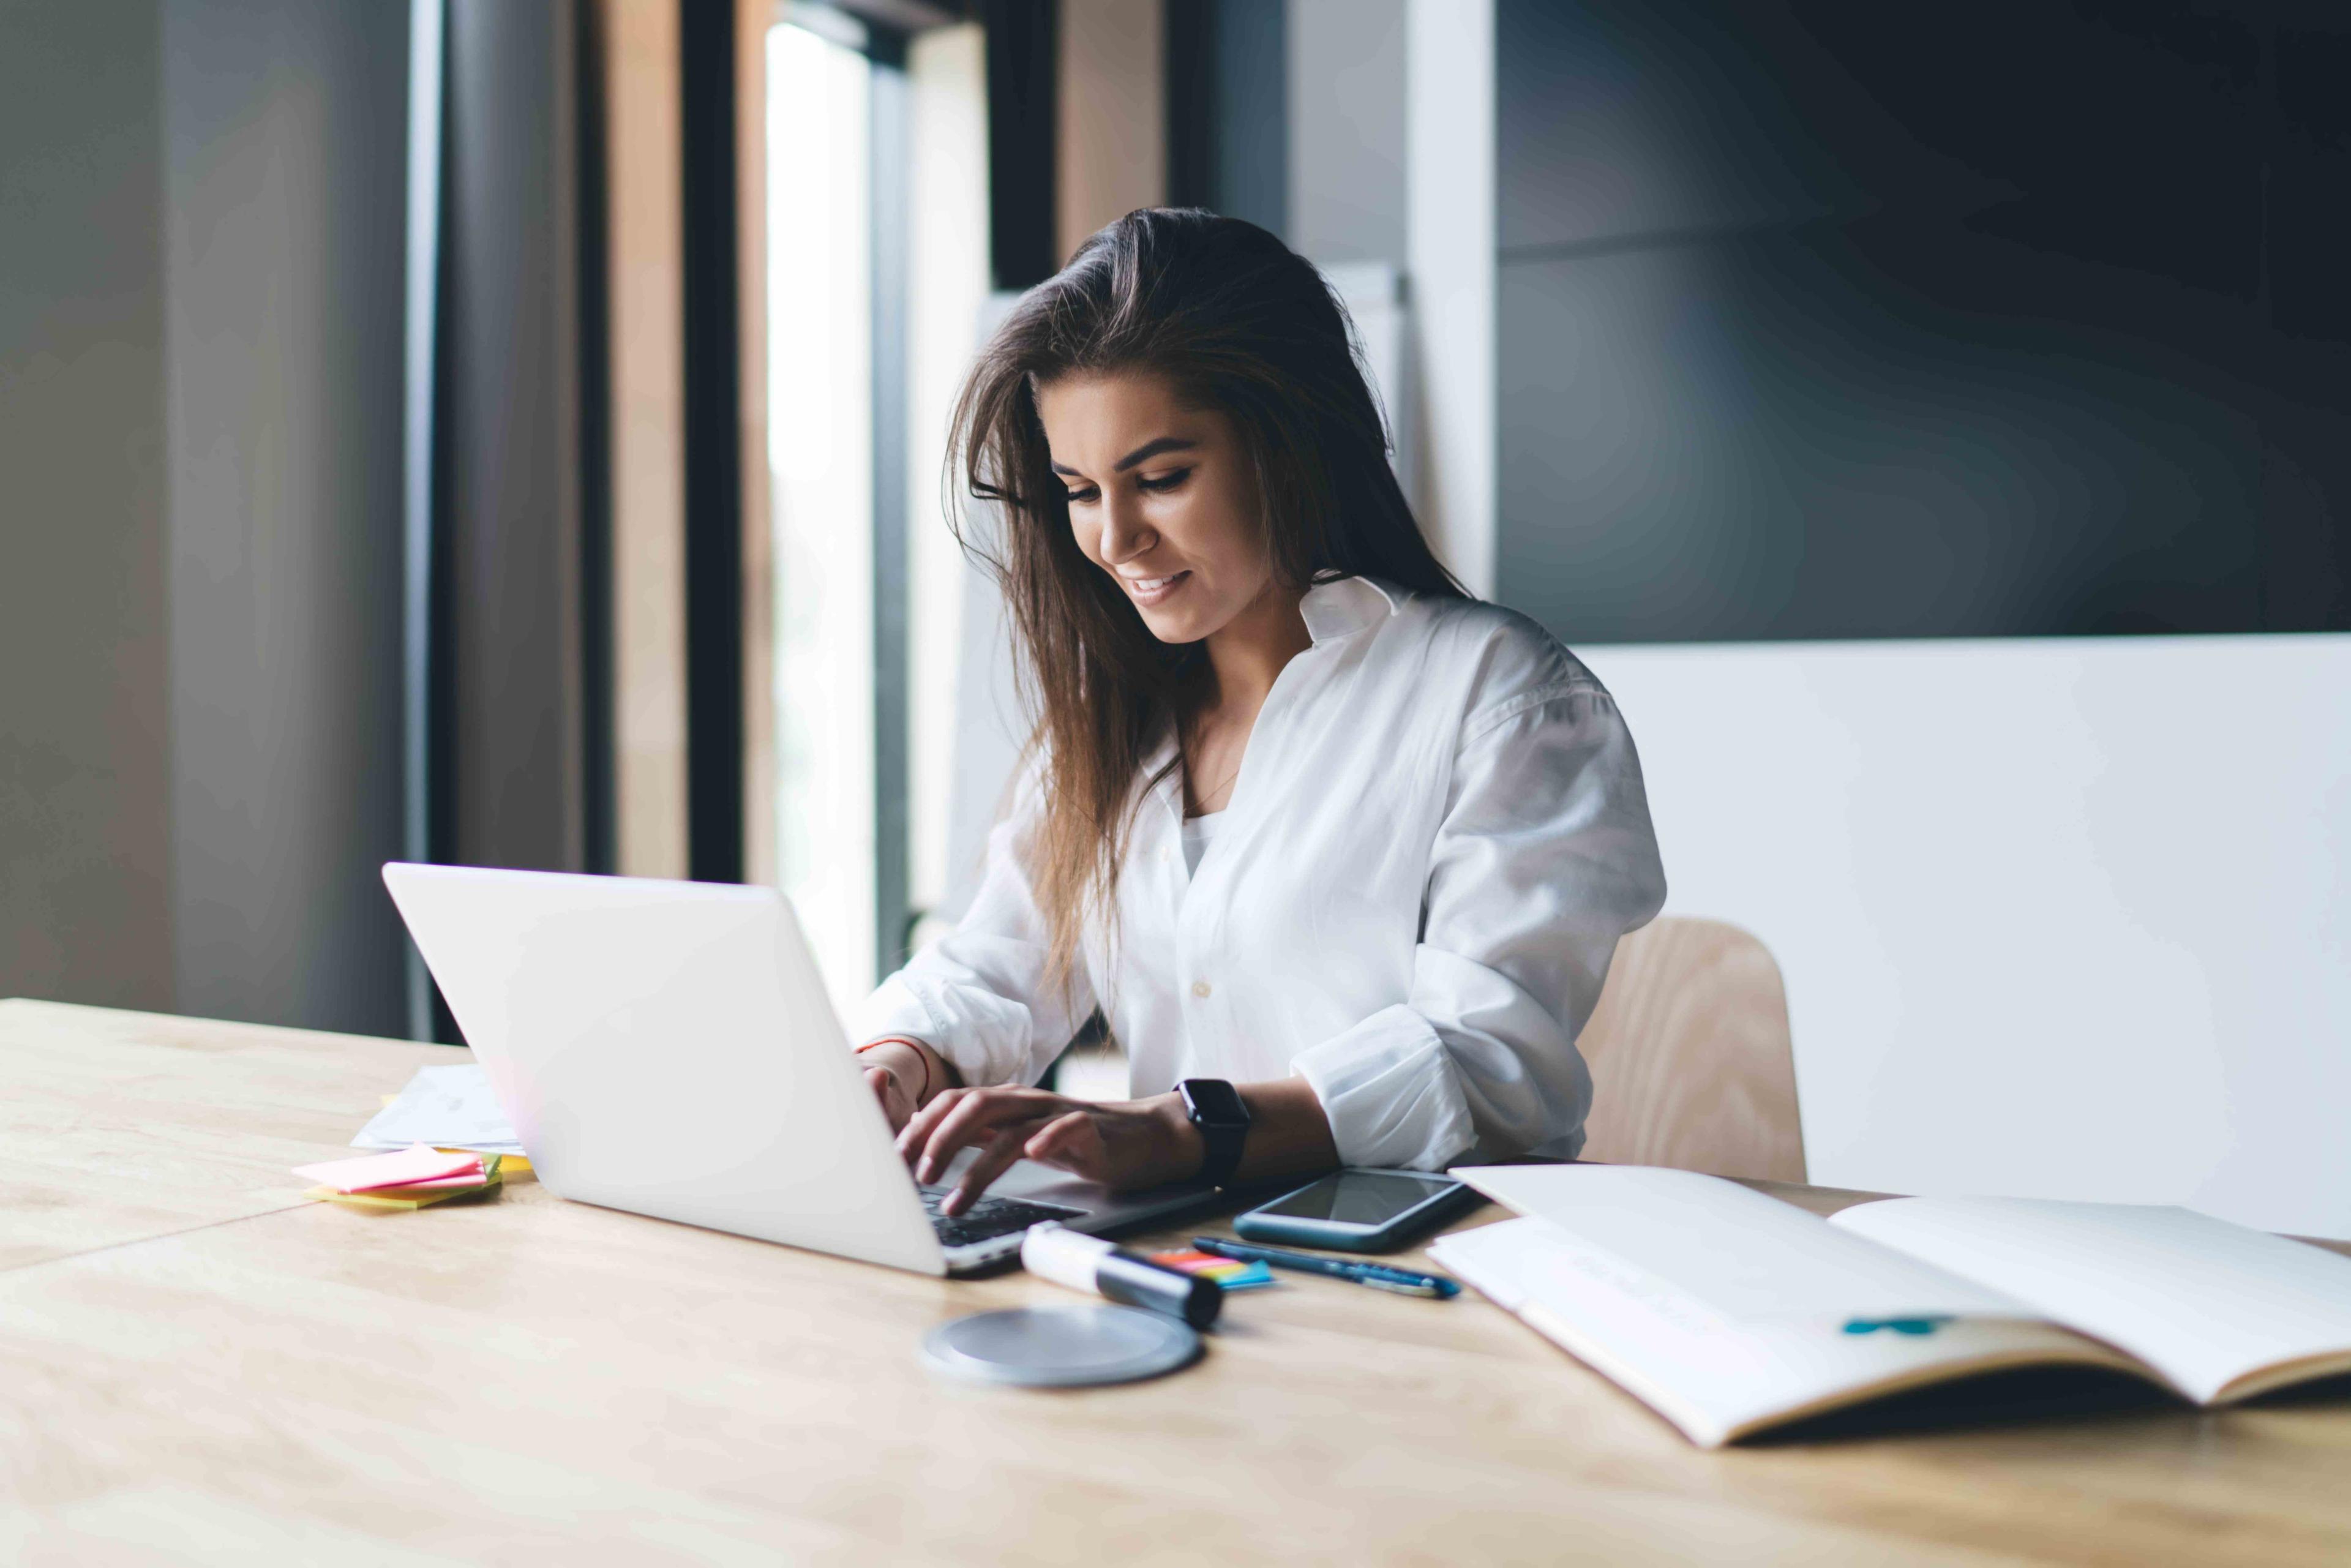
<point>1691,1063</point>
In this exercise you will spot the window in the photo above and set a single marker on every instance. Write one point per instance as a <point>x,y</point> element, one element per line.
<point>821,439</point>
<point>877,286</point>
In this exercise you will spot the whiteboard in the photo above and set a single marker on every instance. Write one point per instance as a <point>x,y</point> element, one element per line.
<point>2061,917</point>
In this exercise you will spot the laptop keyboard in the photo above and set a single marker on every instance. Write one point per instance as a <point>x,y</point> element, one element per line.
<point>986,1220</point>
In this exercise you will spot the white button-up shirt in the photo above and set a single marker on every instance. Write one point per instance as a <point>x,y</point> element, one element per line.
<point>1436,836</point>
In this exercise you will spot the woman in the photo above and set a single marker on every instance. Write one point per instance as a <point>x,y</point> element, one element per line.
<point>1300,815</point>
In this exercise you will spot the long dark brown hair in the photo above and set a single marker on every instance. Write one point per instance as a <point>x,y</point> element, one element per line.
<point>1232,320</point>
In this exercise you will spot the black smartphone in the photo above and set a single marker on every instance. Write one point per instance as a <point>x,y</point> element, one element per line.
<point>1359,1210</point>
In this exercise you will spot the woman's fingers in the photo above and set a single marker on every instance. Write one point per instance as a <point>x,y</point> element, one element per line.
<point>950,1125</point>
<point>995,1158</point>
<point>918,1131</point>
<point>1070,1141</point>
<point>974,1117</point>
<point>1005,1125</point>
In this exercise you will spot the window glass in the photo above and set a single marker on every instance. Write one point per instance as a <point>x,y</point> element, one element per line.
<point>820,450</point>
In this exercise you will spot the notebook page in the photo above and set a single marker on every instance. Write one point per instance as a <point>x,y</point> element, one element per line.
<point>2203,1301</point>
<point>1716,1378</point>
<point>1739,1255</point>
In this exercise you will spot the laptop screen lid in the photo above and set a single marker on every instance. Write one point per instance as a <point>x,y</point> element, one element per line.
<point>668,1048</point>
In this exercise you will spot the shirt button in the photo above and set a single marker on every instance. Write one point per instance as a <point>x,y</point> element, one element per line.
<point>1201,988</point>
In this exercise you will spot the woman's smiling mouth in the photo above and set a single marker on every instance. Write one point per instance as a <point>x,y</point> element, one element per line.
<point>1153,589</point>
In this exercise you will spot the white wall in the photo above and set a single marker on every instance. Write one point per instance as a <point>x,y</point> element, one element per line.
<point>1347,196</point>
<point>2058,917</point>
<point>1346,89</point>
<point>990,726</point>
<point>1450,242</point>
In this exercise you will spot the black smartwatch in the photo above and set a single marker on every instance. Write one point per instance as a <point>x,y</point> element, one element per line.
<point>1216,1107</point>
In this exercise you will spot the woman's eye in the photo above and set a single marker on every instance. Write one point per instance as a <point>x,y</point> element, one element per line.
<point>1165,481</point>
<point>1086,497</point>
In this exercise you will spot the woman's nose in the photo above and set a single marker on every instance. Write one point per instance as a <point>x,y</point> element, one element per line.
<point>1125,534</point>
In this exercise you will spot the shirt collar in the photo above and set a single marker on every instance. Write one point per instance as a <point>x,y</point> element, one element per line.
<point>1339,607</point>
<point>1345,605</point>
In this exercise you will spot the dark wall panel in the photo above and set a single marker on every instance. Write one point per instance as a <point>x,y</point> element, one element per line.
<point>285,140</point>
<point>1785,434</point>
<point>1022,110</point>
<point>1834,320</point>
<point>1229,110</point>
<point>513,707</point>
<point>714,448</point>
<point>85,615</point>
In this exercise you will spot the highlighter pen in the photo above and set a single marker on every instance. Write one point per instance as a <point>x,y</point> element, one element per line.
<point>1378,1276</point>
<point>1085,1262</point>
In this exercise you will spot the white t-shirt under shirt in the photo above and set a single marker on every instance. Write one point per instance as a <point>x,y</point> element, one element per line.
<point>1437,834</point>
<point>1197,831</point>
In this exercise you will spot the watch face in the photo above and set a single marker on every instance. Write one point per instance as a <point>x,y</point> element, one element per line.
<point>1215,1102</point>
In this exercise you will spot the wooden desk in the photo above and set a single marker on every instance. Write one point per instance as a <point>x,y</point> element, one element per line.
<point>197,1364</point>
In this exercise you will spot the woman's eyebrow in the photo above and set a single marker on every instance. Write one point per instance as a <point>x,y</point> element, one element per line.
<point>1151,449</point>
<point>1142,453</point>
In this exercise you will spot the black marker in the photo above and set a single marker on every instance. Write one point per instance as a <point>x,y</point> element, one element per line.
<point>1085,1262</point>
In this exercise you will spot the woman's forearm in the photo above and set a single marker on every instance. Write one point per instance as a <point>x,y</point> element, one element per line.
<point>1287,1134</point>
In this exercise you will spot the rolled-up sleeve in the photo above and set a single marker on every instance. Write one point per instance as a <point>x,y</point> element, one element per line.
<point>984,997</point>
<point>1543,859</point>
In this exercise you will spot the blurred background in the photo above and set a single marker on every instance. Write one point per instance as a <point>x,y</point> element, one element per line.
<point>512,432</point>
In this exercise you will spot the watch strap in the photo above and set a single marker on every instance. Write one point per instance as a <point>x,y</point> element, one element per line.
<point>1224,1151</point>
<point>1221,1140</point>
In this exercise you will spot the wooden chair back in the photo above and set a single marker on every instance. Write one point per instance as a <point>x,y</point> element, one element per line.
<point>1692,1062</point>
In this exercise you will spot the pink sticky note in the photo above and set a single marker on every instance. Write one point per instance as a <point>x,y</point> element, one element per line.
<point>405,1168</point>
<point>442,1183</point>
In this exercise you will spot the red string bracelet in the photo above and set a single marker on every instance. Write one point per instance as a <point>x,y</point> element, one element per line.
<point>920,1055</point>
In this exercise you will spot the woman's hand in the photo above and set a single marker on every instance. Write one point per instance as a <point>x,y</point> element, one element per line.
<point>1122,1143</point>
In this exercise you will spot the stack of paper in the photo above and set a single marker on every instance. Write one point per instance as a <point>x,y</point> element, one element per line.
<point>446,1107</point>
<point>409,1180</point>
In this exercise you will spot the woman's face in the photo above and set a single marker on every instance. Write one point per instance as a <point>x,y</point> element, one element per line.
<point>1162,498</point>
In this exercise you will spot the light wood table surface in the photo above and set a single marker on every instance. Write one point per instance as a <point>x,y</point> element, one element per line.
<point>196,1365</point>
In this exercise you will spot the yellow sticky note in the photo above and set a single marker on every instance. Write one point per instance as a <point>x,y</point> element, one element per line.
<point>393,1198</point>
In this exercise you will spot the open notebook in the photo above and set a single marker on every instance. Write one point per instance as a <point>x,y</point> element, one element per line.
<point>1730,1313</point>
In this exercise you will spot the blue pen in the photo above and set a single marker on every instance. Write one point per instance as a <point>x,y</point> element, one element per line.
<point>1378,1276</point>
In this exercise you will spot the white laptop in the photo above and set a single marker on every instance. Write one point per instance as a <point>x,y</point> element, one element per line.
<point>667,1048</point>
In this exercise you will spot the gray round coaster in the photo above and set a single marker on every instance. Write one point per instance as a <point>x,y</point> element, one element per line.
<point>1059,1347</point>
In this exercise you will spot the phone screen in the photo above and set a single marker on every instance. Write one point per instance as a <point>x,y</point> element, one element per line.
<point>1361,1198</point>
